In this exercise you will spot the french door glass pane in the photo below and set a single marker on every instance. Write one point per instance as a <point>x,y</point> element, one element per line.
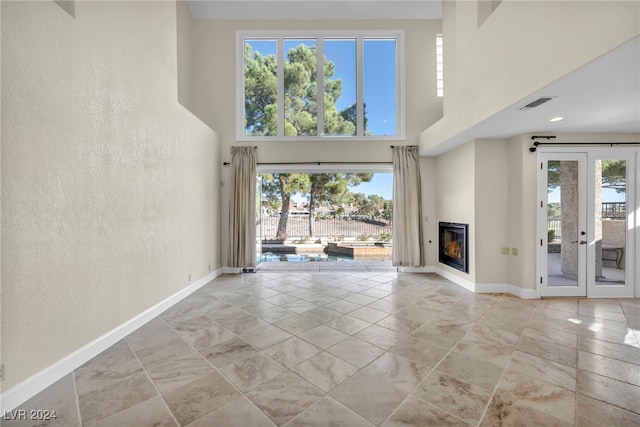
<point>380,87</point>
<point>300,88</point>
<point>562,223</point>
<point>260,87</point>
<point>610,221</point>
<point>340,110</point>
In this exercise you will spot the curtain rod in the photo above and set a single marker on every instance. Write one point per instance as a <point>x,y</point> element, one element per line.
<point>536,143</point>
<point>323,163</point>
<point>317,163</point>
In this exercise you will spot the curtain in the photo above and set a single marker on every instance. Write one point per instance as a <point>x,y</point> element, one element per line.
<point>242,208</point>
<point>407,208</point>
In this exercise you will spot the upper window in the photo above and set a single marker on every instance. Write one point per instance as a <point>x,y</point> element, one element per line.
<point>315,85</point>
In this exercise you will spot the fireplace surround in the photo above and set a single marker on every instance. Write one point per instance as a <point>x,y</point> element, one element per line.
<point>453,245</point>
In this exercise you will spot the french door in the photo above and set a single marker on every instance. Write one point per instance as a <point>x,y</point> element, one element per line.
<point>586,223</point>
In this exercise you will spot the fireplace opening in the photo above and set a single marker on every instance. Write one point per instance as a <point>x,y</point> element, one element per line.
<point>453,248</point>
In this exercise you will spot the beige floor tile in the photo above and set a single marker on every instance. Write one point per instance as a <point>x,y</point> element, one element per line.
<point>153,412</point>
<point>399,371</point>
<point>622,352</point>
<point>297,324</point>
<point>548,350</point>
<point>284,397</point>
<point>356,351</point>
<point>477,372</point>
<point>612,368</point>
<point>347,324</point>
<point>368,314</point>
<point>376,404</point>
<point>321,314</point>
<point>504,412</point>
<point>545,370</point>
<point>329,413</point>
<point>227,352</point>
<point>197,399</point>
<point>265,336</point>
<point>537,394</point>
<point>59,399</point>
<point>240,412</point>
<point>454,396</point>
<point>379,336</point>
<point>595,413</point>
<point>609,390</point>
<point>415,412</point>
<point>486,343</point>
<point>292,352</point>
<point>98,404</point>
<point>442,336</point>
<point>326,371</point>
<point>419,351</point>
<point>252,371</point>
<point>323,336</point>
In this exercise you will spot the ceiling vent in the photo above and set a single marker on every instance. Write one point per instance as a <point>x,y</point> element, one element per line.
<point>538,102</point>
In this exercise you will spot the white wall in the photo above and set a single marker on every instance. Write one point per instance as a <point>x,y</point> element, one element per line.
<point>455,198</point>
<point>491,67</point>
<point>109,186</point>
<point>213,97</point>
<point>492,204</point>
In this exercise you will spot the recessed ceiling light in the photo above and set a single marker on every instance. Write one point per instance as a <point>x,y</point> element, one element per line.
<point>557,119</point>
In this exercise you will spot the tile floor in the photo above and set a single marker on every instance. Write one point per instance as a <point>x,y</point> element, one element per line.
<point>360,349</point>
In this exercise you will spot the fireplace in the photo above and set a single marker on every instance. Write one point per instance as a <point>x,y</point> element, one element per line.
<point>453,248</point>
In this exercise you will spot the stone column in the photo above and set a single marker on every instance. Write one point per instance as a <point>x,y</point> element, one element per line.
<point>569,214</point>
<point>598,218</point>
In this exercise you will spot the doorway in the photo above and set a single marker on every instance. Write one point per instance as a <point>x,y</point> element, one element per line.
<point>586,223</point>
<point>322,217</point>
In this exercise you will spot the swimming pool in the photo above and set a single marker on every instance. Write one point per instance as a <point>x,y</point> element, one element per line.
<point>310,257</point>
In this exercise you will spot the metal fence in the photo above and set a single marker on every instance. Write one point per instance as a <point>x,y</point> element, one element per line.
<point>610,211</point>
<point>614,210</point>
<point>363,227</point>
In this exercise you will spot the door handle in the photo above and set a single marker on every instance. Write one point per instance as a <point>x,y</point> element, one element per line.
<point>583,242</point>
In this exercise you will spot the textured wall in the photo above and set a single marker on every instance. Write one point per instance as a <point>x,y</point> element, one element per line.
<point>109,186</point>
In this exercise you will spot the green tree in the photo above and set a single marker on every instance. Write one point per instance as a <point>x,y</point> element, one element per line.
<point>277,190</point>
<point>331,187</point>
<point>614,175</point>
<point>300,95</point>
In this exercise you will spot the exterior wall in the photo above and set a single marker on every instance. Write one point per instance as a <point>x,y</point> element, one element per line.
<point>214,101</point>
<point>494,66</point>
<point>455,198</point>
<point>109,186</point>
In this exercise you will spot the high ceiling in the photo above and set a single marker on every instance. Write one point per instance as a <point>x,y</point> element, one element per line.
<point>316,9</point>
<point>603,96</point>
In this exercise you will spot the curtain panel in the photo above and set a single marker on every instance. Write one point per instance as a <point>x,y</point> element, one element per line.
<point>407,208</point>
<point>242,208</point>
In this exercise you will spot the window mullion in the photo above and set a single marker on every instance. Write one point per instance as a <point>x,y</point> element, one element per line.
<point>359,86</point>
<point>320,85</point>
<point>280,85</point>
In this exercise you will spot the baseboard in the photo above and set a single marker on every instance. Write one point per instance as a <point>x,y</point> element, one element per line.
<point>231,270</point>
<point>33,385</point>
<point>487,288</point>
<point>426,269</point>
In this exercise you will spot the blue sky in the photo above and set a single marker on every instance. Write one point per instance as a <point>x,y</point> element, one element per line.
<point>379,76</point>
<point>381,184</point>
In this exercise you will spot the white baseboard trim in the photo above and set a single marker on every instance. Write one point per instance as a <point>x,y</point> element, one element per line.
<point>487,288</point>
<point>426,269</point>
<point>33,385</point>
<point>231,270</point>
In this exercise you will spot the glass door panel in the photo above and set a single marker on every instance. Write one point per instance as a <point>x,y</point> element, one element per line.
<point>609,218</point>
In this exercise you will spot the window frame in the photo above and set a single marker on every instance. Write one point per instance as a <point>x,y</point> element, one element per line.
<point>319,36</point>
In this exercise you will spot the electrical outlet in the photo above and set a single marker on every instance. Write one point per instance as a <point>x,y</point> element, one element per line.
<point>189,276</point>
<point>209,267</point>
<point>504,251</point>
<point>514,251</point>
<point>1,371</point>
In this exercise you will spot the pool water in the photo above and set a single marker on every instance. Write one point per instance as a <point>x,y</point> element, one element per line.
<point>311,257</point>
